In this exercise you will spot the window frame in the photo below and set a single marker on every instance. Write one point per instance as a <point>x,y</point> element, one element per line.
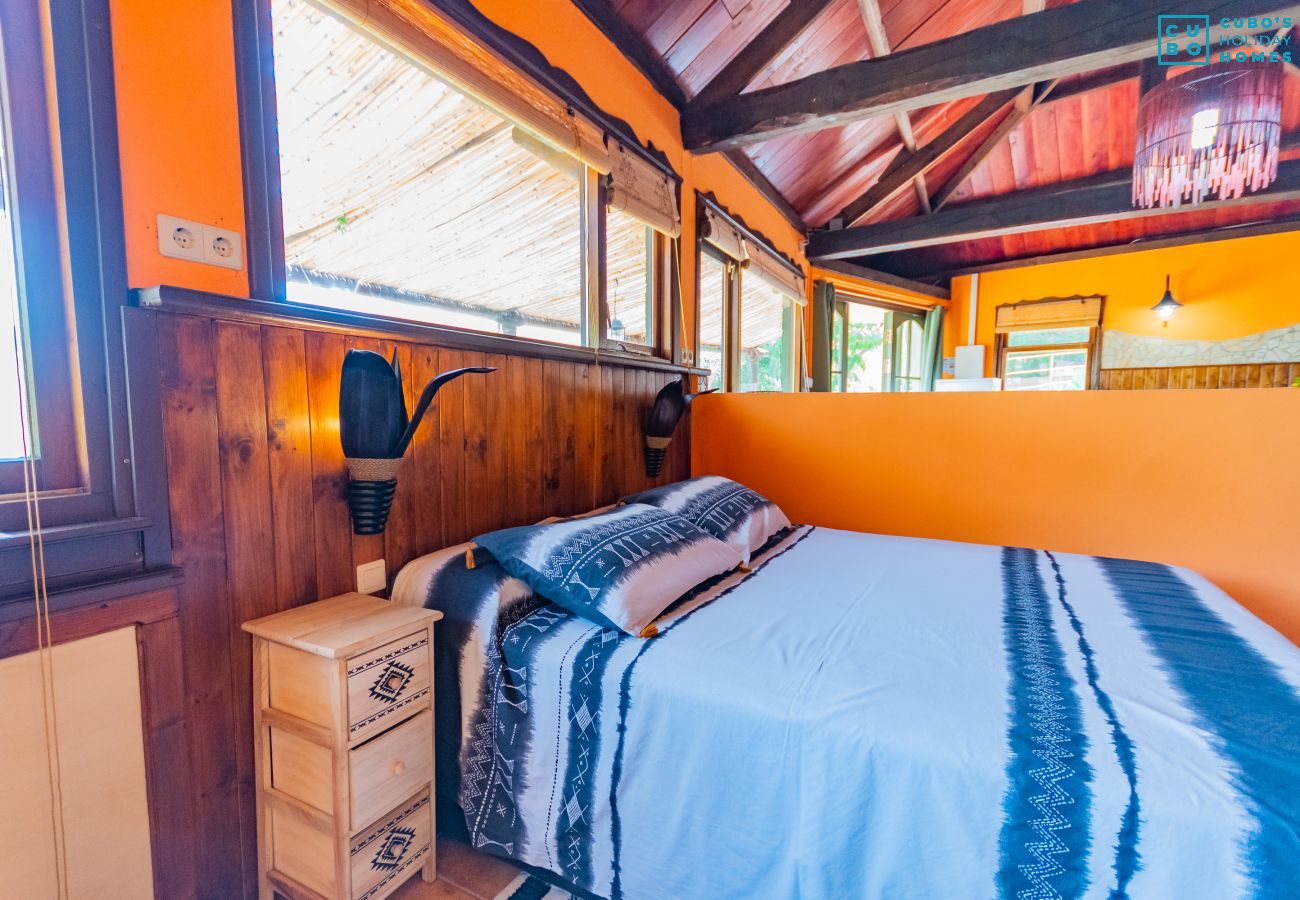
<point>264,220</point>
<point>112,527</point>
<point>889,384</point>
<point>730,309</point>
<point>1002,349</point>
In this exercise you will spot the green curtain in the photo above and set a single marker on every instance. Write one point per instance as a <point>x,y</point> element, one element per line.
<point>932,348</point>
<point>823,322</point>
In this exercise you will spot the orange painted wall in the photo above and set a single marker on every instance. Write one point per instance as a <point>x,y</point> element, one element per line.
<point>1204,479</point>
<point>1230,289</point>
<point>180,135</point>
<point>178,132</point>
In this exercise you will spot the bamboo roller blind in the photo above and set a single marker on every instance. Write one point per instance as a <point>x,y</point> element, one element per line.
<point>759,260</point>
<point>416,30</point>
<point>1068,312</point>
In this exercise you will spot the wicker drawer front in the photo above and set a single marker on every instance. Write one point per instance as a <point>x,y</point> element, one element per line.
<point>387,685</point>
<point>385,852</point>
<point>391,767</point>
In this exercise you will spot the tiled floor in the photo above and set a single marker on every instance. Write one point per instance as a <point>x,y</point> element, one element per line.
<point>463,874</point>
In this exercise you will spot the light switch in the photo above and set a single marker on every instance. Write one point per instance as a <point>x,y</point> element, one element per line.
<point>372,577</point>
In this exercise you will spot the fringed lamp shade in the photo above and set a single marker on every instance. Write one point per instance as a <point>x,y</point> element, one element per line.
<point>1209,133</point>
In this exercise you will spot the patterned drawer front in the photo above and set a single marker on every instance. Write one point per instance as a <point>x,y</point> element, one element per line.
<point>392,766</point>
<point>388,685</point>
<point>384,854</point>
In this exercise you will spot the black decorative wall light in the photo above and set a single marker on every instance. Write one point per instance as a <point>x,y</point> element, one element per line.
<point>670,404</point>
<point>375,431</point>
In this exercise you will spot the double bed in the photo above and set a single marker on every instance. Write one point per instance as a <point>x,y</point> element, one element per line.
<point>857,715</point>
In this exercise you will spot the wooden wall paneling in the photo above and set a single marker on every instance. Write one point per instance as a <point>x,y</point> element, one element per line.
<point>493,409</point>
<point>451,447</point>
<point>611,404</point>
<point>333,527</point>
<point>586,451</point>
<point>288,434</point>
<point>424,494</point>
<point>527,439</point>
<point>558,425</point>
<point>250,557</point>
<point>1253,375</point>
<point>167,758</point>
<point>198,541</point>
<point>480,494</point>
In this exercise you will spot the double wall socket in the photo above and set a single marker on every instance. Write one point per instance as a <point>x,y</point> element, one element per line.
<point>196,242</point>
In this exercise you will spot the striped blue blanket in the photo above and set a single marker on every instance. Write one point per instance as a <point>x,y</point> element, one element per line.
<point>868,716</point>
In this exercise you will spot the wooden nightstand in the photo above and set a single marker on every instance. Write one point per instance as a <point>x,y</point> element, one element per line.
<point>343,718</point>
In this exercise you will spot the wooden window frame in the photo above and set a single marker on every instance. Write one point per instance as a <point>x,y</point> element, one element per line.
<point>264,219</point>
<point>111,526</point>
<point>847,297</point>
<point>1002,348</point>
<point>659,258</point>
<point>730,309</point>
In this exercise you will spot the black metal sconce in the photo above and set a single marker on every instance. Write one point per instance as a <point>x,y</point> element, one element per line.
<point>670,405</point>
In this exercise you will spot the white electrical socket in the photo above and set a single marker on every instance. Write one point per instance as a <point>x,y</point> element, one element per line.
<point>223,247</point>
<point>180,238</point>
<point>372,577</point>
<point>184,239</point>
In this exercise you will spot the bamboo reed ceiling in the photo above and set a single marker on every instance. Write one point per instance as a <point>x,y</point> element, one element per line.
<point>393,179</point>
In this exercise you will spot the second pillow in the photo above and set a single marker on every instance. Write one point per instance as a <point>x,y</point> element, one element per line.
<point>621,568</point>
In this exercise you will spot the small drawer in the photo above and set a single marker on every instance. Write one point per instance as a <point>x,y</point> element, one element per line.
<point>390,767</point>
<point>387,685</point>
<point>385,853</point>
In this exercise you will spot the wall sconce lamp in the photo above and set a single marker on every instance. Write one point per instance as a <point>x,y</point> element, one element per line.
<point>670,405</point>
<point>1167,305</point>
<point>376,431</point>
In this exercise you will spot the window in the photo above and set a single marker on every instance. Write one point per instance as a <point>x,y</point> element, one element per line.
<point>717,277</point>
<point>405,197</point>
<point>411,193</point>
<point>1050,344</point>
<point>766,338</point>
<point>629,280</point>
<point>38,400</point>
<point>906,332</point>
<point>1054,359</point>
<point>877,349</point>
<point>749,307</point>
<point>69,418</point>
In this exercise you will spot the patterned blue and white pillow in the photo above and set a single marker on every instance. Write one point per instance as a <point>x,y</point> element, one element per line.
<point>731,512</point>
<point>621,568</point>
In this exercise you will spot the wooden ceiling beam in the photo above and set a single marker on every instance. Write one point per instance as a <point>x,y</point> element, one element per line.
<point>1026,102</point>
<point>908,166</point>
<point>853,270</point>
<point>878,40</point>
<point>1103,198</point>
<point>1066,40</point>
<point>765,47</point>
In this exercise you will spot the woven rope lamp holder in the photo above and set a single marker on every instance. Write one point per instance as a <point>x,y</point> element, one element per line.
<point>371,485</point>
<point>656,448</point>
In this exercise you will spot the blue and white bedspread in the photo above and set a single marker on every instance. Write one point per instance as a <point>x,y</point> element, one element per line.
<point>868,716</point>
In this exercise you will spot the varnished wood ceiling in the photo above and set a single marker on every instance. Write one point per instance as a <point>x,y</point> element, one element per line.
<point>821,172</point>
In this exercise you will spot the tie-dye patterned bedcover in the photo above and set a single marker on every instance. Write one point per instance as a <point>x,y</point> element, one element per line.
<point>870,716</point>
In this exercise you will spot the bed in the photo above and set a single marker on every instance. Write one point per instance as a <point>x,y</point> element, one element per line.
<point>870,716</point>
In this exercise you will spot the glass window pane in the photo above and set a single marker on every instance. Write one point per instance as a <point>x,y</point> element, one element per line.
<point>868,362</point>
<point>12,392</point>
<point>839,323</point>
<point>1046,370</point>
<point>404,197</point>
<point>1047,336</point>
<point>629,293</point>
<point>766,337</point>
<point>713,302</point>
